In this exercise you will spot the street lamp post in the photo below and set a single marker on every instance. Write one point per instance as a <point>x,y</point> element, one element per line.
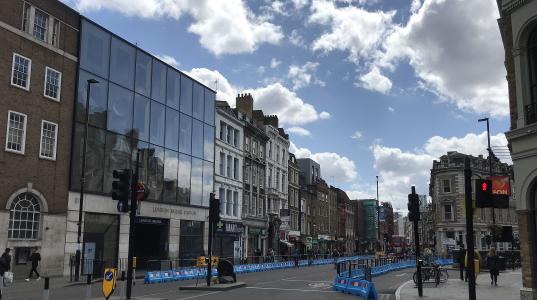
<point>82,181</point>
<point>378,212</point>
<point>489,149</point>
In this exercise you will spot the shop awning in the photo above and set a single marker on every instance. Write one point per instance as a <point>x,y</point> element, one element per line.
<point>286,243</point>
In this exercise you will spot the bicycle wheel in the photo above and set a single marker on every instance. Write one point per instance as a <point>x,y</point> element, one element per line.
<point>415,277</point>
<point>444,275</point>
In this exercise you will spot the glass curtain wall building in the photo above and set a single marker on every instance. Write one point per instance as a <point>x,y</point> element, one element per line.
<point>142,105</point>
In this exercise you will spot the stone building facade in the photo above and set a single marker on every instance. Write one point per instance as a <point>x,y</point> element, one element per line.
<point>518,28</point>
<point>38,65</point>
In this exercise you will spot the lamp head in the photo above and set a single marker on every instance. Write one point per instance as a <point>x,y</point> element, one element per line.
<point>483,120</point>
<point>92,81</point>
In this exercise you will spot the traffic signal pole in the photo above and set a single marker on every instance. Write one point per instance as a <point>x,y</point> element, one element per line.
<point>414,212</point>
<point>133,208</point>
<point>469,228</point>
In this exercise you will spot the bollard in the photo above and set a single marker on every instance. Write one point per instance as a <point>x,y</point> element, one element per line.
<point>46,291</point>
<point>88,287</point>
<point>122,286</point>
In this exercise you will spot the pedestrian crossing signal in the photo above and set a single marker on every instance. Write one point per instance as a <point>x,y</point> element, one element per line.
<point>483,194</point>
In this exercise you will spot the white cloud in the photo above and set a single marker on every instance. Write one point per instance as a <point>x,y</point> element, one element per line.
<point>352,29</point>
<point>224,27</point>
<point>299,131</point>
<point>300,3</point>
<point>214,79</point>
<point>391,109</point>
<point>325,115</point>
<point>375,81</point>
<point>170,60</point>
<point>303,76</point>
<point>334,167</point>
<point>274,63</point>
<point>399,170</point>
<point>296,39</point>
<point>260,69</point>
<point>357,135</point>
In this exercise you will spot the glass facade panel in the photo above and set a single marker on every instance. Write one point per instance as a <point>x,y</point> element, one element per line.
<point>209,106</point>
<point>141,118</point>
<point>122,63</point>
<point>171,164</point>
<point>183,180</point>
<point>156,135</point>
<point>94,159</point>
<point>173,89</point>
<point>120,109</point>
<point>197,139</point>
<point>155,172</point>
<point>143,168</point>
<point>198,100</point>
<point>97,103</point>
<point>143,74</point>
<point>186,95</point>
<point>158,86</point>
<point>95,49</point>
<point>172,129</point>
<point>185,134</point>
<point>196,182</point>
<point>208,174</point>
<point>208,143</point>
<point>190,240</point>
<point>117,156</point>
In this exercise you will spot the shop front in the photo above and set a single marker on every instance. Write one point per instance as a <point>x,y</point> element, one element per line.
<point>228,241</point>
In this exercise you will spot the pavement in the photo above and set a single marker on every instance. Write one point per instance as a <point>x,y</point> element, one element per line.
<point>509,284</point>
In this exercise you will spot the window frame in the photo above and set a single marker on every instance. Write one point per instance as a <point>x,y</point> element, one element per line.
<point>26,88</point>
<point>444,186</point>
<point>36,233</point>
<point>46,27</point>
<point>23,146</point>
<point>55,141</point>
<point>57,99</point>
<point>450,212</point>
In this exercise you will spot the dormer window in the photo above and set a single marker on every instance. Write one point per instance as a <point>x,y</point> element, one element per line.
<point>40,25</point>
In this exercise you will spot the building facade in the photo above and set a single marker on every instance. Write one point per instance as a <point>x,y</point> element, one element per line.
<point>310,169</point>
<point>38,64</point>
<point>518,28</point>
<point>369,241</point>
<point>294,200</point>
<point>447,193</point>
<point>146,115</point>
<point>228,181</point>
<point>254,211</point>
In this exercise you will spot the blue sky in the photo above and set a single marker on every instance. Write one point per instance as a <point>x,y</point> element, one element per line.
<point>365,87</point>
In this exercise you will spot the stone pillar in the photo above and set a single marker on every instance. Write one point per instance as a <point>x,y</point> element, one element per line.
<point>527,254</point>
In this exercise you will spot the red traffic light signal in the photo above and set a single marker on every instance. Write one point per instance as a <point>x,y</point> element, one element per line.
<point>483,193</point>
<point>484,186</point>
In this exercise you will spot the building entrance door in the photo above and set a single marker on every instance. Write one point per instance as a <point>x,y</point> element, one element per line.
<point>151,243</point>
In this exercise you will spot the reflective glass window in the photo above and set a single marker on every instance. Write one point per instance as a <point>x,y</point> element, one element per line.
<point>209,106</point>
<point>143,168</point>
<point>97,103</point>
<point>186,95</point>
<point>118,155</point>
<point>197,101</point>
<point>143,74</point>
<point>171,163</point>
<point>122,63</point>
<point>208,143</point>
<point>183,180</point>
<point>158,85</point>
<point>141,118</point>
<point>196,182</point>
<point>185,134</point>
<point>208,174</point>
<point>155,165</point>
<point>94,159</point>
<point>120,109</point>
<point>173,89</point>
<point>95,49</point>
<point>172,129</point>
<point>197,139</point>
<point>156,135</point>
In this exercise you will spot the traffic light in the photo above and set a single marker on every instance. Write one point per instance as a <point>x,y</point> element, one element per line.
<point>413,207</point>
<point>483,193</point>
<point>214,209</point>
<point>121,189</point>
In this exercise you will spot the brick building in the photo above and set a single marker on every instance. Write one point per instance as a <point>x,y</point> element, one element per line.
<point>518,28</point>
<point>38,65</point>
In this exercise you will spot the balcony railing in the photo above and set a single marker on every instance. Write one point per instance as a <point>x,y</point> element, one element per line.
<point>531,113</point>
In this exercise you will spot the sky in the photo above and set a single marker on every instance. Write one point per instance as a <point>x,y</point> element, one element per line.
<point>365,87</point>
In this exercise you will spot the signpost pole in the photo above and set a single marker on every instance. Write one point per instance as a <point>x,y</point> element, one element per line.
<point>469,228</point>
<point>133,208</point>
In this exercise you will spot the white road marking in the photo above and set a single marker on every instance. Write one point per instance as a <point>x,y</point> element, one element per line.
<point>400,275</point>
<point>295,290</point>
<point>398,291</point>
<point>302,280</point>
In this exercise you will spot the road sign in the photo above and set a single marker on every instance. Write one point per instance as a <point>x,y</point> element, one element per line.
<point>109,282</point>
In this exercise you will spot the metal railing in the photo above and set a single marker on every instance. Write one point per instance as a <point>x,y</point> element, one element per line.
<point>530,112</point>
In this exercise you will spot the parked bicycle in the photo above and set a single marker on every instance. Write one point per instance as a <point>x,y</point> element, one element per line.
<point>436,274</point>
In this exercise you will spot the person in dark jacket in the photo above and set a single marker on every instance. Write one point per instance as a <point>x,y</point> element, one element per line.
<point>460,260</point>
<point>35,258</point>
<point>5,265</point>
<point>492,263</point>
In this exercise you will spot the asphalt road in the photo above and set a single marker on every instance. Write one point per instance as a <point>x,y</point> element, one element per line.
<point>308,283</point>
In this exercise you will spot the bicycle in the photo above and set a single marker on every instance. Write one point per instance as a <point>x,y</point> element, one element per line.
<point>436,273</point>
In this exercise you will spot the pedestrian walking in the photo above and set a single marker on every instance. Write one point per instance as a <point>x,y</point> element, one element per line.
<point>35,258</point>
<point>5,265</point>
<point>460,260</point>
<point>492,264</point>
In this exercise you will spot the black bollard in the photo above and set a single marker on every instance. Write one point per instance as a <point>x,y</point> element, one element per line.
<point>46,291</point>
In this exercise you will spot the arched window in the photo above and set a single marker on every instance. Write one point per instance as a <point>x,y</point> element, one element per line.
<point>24,217</point>
<point>531,108</point>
